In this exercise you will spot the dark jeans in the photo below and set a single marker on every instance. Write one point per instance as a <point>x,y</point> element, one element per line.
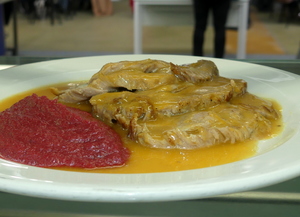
<point>220,10</point>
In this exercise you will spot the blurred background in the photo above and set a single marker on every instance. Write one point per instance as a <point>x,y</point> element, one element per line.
<point>70,29</point>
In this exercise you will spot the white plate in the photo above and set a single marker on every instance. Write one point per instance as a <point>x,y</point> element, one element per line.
<point>277,159</point>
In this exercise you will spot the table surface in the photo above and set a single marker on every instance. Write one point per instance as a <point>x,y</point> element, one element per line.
<point>277,200</point>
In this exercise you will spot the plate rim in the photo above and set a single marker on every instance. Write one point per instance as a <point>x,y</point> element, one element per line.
<point>192,190</point>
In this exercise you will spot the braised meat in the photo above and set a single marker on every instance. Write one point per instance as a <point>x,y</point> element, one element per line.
<point>168,100</point>
<point>224,123</point>
<point>138,75</point>
<point>190,72</point>
<point>130,75</point>
<point>122,107</point>
<point>163,105</point>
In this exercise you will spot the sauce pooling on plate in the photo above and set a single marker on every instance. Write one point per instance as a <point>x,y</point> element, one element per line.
<point>149,160</point>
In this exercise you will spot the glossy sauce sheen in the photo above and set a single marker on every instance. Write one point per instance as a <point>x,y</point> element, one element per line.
<point>149,160</point>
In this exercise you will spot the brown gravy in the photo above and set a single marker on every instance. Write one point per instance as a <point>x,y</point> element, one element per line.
<point>149,160</point>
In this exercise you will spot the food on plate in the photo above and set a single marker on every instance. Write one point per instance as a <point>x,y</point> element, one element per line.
<point>169,106</point>
<point>41,132</point>
<point>130,75</point>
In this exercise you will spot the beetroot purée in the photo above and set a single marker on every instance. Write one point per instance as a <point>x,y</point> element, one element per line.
<point>41,132</point>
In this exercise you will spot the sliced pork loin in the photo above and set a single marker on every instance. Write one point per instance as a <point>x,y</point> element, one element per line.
<point>168,100</point>
<point>78,93</point>
<point>225,123</point>
<point>203,70</point>
<point>122,107</point>
<point>163,105</point>
<point>130,75</point>
<point>146,66</point>
<point>137,75</point>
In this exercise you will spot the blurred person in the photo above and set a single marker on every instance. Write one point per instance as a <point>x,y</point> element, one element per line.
<point>28,6</point>
<point>8,8</point>
<point>289,9</point>
<point>220,9</point>
<point>102,7</point>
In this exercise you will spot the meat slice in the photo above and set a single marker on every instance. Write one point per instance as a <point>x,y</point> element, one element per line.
<point>131,79</point>
<point>264,107</point>
<point>187,97</point>
<point>79,93</point>
<point>138,75</point>
<point>130,75</point>
<point>225,123</point>
<point>146,66</point>
<point>167,100</point>
<point>122,107</point>
<point>164,105</point>
<point>203,70</point>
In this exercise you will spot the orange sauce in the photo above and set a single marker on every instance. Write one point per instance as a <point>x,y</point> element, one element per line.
<point>149,160</point>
